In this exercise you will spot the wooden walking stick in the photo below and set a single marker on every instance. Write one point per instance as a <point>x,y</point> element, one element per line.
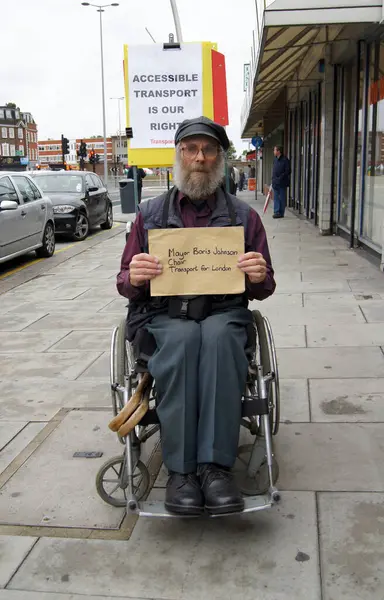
<point>137,415</point>
<point>132,404</point>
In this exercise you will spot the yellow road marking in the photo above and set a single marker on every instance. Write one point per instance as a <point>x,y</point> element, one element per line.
<point>66,247</point>
<point>37,260</point>
<point>9,273</point>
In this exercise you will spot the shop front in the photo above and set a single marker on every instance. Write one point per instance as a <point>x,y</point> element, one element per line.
<point>360,191</point>
<point>318,90</point>
<point>357,148</point>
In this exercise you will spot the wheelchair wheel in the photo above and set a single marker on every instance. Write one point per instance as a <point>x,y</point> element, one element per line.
<point>266,356</point>
<point>123,361</point>
<point>112,481</point>
<point>257,484</point>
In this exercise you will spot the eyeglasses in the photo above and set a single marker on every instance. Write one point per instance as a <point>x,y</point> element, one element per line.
<point>191,150</point>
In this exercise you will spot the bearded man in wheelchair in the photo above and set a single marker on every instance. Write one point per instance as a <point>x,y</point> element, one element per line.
<point>200,364</point>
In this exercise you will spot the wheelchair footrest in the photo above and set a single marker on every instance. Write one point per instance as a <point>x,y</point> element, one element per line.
<point>157,509</point>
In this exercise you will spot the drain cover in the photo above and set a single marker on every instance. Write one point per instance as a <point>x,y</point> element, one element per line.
<point>87,455</point>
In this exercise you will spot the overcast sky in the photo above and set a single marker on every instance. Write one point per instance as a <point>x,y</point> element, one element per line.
<point>50,51</point>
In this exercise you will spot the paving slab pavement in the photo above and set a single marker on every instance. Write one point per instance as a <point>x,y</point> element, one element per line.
<point>352,556</point>
<point>344,457</point>
<point>39,400</point>
<point>347,400</point>
<point>13,551</point>
<point>189,559</point>
<point>323,542</point>
<point>339,362</point>
<point>25,595</point>
<point>17,441</point>
<point>66,365</point>
<point>70,499</point>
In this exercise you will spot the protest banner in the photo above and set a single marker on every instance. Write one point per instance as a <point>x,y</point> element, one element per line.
<point>197,261</point>
<point>163,87</point>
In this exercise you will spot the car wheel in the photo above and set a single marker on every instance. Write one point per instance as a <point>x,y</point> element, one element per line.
<point>108,224</point>
<point>48,248</point>
<point>82,227</point>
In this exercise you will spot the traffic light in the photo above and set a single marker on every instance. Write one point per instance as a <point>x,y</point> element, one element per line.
<point>92,159</point>
<point>64,145</point>
<point>83,149</point>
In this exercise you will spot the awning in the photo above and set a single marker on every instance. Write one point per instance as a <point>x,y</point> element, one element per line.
<point>288,55</point>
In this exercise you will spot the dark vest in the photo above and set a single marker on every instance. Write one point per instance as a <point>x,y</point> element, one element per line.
<point>162,213</point>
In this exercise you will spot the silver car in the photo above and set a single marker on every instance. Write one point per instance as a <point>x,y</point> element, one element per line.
<point>26,217</point>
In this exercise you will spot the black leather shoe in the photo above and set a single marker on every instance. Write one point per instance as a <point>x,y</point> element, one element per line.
<point>220,490</point>
<point>183,495</point>
<point>276,216</point>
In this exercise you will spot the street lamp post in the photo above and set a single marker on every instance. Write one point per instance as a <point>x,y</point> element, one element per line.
<point>118,103</point>
<point>176,19</point>
<point>100,9</point>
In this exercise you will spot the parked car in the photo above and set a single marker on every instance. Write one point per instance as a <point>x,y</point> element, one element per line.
<point>26,218</point>
<point>80,201</point>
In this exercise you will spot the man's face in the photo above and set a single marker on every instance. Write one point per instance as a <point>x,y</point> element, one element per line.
<point>276,151</point>
<point>199,154</point>
<point>199,166</point>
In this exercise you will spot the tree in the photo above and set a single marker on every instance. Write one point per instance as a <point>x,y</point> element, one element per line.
<point>231,152</point>
<point>12,105</point>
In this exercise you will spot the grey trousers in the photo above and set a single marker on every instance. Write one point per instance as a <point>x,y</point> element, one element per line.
<point>200,370</point>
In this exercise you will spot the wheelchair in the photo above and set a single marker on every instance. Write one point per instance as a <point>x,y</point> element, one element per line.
<point>124,480</point>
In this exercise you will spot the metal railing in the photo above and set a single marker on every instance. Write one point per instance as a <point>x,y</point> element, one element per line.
<point>151,181</point>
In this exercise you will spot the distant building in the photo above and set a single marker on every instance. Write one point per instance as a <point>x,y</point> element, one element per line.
<point>50,150</point>
<point>120,149</point>
<point>18,139</point>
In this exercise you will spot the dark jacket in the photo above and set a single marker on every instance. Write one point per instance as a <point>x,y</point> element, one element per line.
<point>281,172</point>
<point>140,175</point>
<point>141,312</point>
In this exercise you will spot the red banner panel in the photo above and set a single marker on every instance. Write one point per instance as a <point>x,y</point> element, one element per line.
<point>219,81</point>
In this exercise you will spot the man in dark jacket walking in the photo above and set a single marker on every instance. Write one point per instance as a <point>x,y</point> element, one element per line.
<point>280,181</point>
<point>140,176</point>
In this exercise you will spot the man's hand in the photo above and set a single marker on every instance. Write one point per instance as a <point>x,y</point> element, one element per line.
<point>253,265</point>
<point>143,268</point>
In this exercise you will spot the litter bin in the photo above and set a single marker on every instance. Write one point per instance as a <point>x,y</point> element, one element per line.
<point>127,196</point>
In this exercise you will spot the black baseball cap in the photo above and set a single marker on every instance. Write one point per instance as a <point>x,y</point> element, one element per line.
<point>202,126</point>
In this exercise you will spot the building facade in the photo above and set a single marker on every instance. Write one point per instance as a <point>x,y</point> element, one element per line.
<point>120,149</point>
<point>18,139</point>
<point>318,90</point>
<point>50,150</point>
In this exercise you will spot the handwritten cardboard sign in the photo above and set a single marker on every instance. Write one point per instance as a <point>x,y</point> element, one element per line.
<point>197,261</point>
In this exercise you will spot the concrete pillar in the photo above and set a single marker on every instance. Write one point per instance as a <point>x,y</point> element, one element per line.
<point>326,165</point>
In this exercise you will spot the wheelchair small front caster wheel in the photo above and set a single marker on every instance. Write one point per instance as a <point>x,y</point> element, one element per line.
<point>132,505</point>
<point>112,481</point>
<point>258,483</point>
<point>276,496</point>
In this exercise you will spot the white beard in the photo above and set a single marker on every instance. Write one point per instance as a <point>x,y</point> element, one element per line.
<point>198,185</point>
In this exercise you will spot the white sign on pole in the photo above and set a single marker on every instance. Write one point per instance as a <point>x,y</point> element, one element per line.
<point>247,74</point>
<point>165,87</point>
